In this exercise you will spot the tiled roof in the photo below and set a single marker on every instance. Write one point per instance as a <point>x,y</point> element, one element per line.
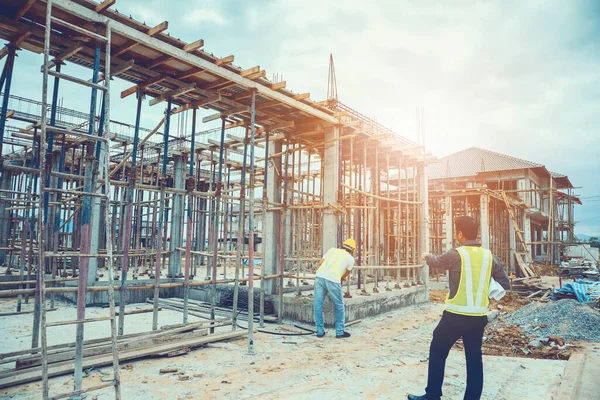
<point>474,160</point>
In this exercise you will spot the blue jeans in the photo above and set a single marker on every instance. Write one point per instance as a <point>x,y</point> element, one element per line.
<point>322,287</point>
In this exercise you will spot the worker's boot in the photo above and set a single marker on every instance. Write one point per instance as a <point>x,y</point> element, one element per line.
<point>343,336</point>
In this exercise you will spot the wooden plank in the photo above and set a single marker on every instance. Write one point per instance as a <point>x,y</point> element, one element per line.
<point>225,60</point>
<point>250,71</point>
<point>99,361</point>
<point>193,45</point>
<point>302,96</point>
<point>163,26</point>
<point>278,85</point>
<point>66,53</point>
<point>143,85</point>
<point>522,265</point>
<point>24,9</point>
<point>137,343</point>
<point>169,331</point>
<point>258,75</point>
<point>225,114</point>
<point>196,104</point>
<point>89,389</point>
<point>158,61</point>
<point>123,48</point>
<point>104,5</point>
<point>190,72</point>
<point>173,93</point>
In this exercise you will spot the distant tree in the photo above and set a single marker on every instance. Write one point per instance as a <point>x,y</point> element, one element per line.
<point>594,242</point>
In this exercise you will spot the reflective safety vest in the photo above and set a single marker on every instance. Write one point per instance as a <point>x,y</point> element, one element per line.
<point>471,298</point>
<point>334,265</point>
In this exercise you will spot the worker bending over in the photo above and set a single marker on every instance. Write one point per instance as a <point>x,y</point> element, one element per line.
<point>471,267</point>
<point>334,267</point>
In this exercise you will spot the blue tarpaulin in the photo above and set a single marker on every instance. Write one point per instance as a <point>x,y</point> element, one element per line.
<point>578,289</point>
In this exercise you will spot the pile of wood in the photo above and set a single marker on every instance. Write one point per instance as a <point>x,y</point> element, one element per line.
<point>202,309</point>
<point>173,340</point>
<point>531,289</point>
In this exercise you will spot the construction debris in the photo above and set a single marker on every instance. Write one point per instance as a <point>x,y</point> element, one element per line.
<point>566,318</point>
<point>130,347</point>
<point>510,340</point>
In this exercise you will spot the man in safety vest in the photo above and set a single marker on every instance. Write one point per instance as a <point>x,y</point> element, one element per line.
<point>471,268</point>
<point>334,267</point>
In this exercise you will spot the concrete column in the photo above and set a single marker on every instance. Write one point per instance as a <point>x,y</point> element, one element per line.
<point>5,184</point>
<point>449,227</point>
<point>484,220</point>
<point>177,220</point>
<point>331,179</point>
<point>272,228</point>
<point>448,223</point>
<point>527,234</point>
<point>512,244</point>
<point>423,220</point>
<point>98,223</point>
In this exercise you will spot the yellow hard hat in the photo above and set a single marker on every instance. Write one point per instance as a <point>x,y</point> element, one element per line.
<point>350,244</point>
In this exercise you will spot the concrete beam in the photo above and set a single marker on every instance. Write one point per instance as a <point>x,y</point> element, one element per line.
<point>177,222</point>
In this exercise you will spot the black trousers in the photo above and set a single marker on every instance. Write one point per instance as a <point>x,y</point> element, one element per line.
<point>449,330</point>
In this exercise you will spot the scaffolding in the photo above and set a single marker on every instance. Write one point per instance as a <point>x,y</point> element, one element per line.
<point>92,206</point>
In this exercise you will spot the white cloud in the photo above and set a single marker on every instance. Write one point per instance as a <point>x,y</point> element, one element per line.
<point>199,16</point>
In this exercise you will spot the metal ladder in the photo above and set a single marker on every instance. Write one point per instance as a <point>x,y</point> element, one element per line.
<point>89,192</point>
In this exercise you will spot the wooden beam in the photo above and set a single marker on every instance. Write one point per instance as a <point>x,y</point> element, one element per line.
<point>188,73</point>
<point>302,96</point>
<point>258,75</point>
<point>24,9</point>
<point>119,69</point>
<point>226,114</point>
<point>193,46</point>
<point>156,62</point>
<point>225,60</point>
<point>123,48</point>
<point>66,53</point>
<point>173,93</point>
<point>142,85</point>
<point>196,104</point>
<point>132,43</point>
<point>104,5</point>
<point>163,26</point>
<point>18,39</point>
<point>122,29</point>
<point>274,127</point>
<point>241,95</point>
<point>65,367</point>
<point>278,85</point>
<point>216,83</point>
<point>250,71</point>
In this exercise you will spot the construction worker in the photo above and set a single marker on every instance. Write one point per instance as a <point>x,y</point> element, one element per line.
<point>471,268</point>
<point>334,267</point>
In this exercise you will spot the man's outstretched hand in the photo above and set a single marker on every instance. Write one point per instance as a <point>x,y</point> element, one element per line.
<point>423,256</point>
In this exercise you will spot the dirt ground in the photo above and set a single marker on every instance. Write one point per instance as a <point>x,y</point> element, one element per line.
<point>386,358</point>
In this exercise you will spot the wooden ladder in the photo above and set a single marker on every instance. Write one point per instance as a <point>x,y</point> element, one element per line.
<point>525,269</point>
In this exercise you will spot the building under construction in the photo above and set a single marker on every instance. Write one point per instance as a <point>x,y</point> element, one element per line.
<point>224,208</point>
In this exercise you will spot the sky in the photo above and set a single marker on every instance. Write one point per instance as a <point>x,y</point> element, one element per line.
<point>519,78</point>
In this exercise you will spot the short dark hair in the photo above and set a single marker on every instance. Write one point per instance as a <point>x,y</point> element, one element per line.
<point>468,226</point>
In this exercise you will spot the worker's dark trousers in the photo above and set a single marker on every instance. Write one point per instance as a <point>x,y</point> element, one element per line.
<point>449,330</point>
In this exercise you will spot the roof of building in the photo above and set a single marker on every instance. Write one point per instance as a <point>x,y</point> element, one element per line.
<point>474,160</point>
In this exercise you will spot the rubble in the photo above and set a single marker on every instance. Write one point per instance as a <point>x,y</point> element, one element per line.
<point>566,318</point>
<point>509,340</point>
